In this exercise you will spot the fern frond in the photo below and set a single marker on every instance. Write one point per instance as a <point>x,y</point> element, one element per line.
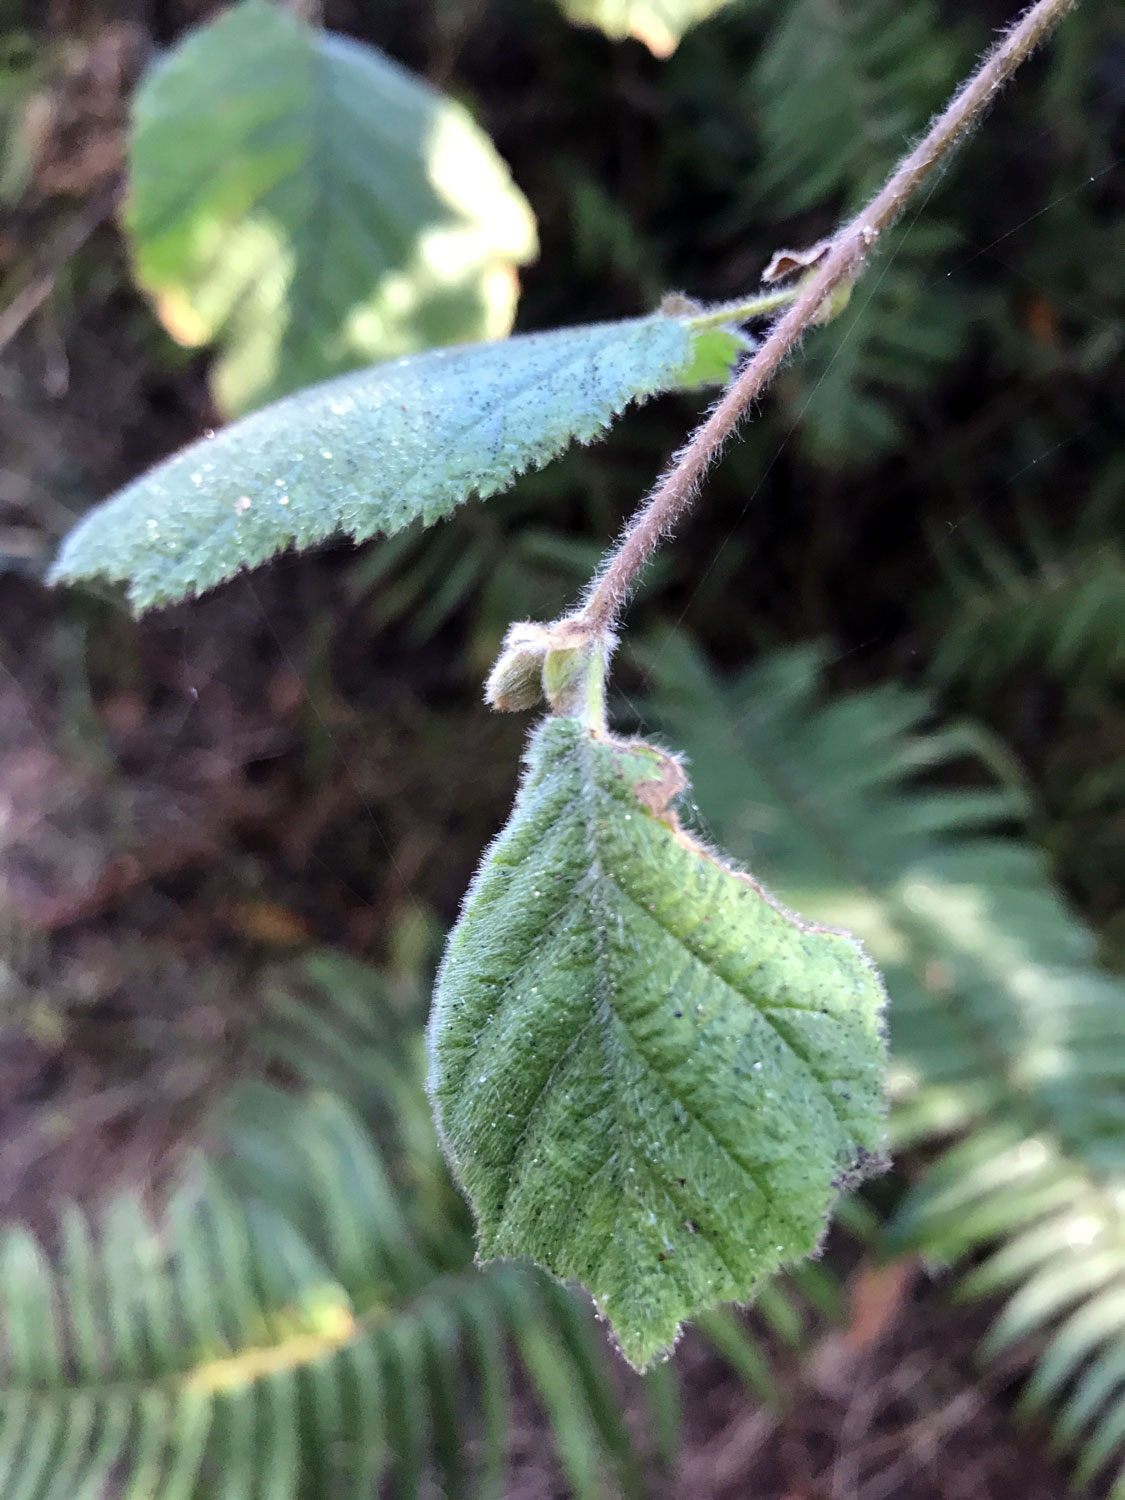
<point>836,90</point>
<point>1058,607</point>
<point>493,564</point>
<point>896,337</point>
<point>280,1331</point>
<point>1006,1036</point>
<point>837,87</point>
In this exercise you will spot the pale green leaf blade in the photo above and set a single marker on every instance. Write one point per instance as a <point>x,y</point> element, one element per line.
<point>659,24</point>
<point>647,1075</point>
<point>317,211</point>
<point>370,452</point>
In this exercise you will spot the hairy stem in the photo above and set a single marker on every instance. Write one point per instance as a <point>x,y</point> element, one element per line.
<point>848,250</point>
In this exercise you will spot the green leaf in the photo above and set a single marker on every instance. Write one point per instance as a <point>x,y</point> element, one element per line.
<point>716,350</point>
<point>659,24</point>
<point>647,1074</point>
<point>370,452</point>
<point>1006,1035</point>
<point>317,211</point>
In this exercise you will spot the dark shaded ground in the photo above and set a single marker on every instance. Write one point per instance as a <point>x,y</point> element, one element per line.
<point>891,1409</point>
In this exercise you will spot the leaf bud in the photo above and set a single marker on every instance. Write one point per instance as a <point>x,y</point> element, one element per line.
<point>516,681</point>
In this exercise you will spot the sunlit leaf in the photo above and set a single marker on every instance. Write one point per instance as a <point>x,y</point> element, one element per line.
<point>371,452</point>
<point>660,24</point>
<point>648,1075</point>
<point>315,211</point>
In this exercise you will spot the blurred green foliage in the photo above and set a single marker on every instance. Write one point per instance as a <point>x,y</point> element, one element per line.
<point>18,71</point>
<point>937,487</point>
<point>659,24</point>
<point>317,211</point>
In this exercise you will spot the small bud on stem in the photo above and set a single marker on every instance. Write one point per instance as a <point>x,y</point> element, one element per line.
<point>565,663</point>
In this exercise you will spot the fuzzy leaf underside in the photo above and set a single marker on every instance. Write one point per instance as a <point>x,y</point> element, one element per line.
<point>659,24</point>
<point>316,212</point>
<point>368,453</point>
<point>648,1076</point>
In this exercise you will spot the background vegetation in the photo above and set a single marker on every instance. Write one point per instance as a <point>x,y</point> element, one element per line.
<point>232,836</point>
